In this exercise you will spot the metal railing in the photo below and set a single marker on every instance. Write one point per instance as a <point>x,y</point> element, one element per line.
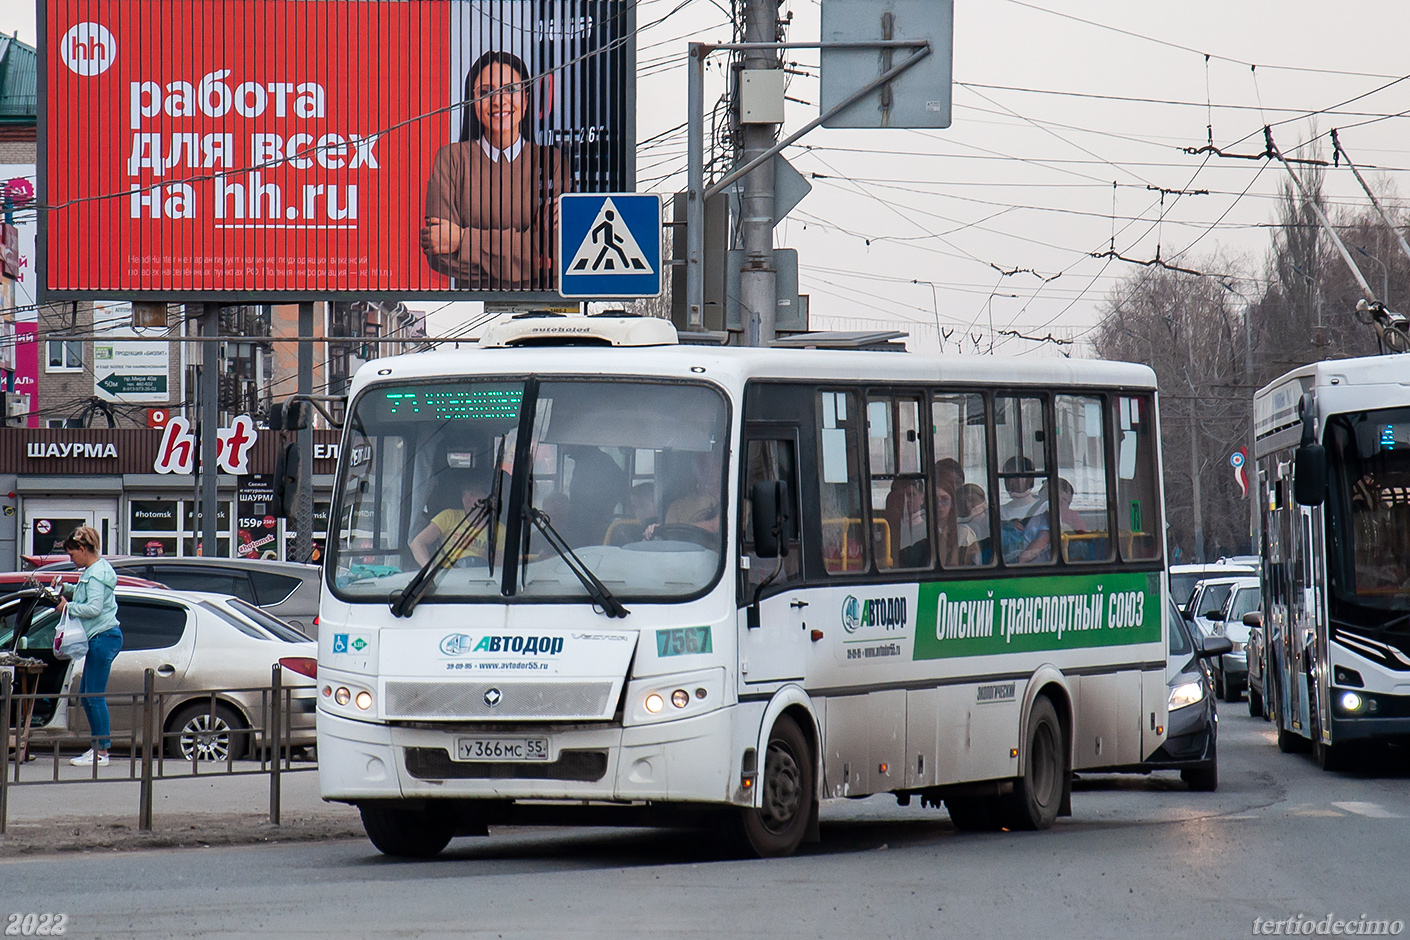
<point>148,739</point>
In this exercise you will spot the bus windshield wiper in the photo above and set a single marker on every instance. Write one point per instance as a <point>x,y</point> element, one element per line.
<point>469,528</point>
<point>496,490</point>
<point>599,592</point>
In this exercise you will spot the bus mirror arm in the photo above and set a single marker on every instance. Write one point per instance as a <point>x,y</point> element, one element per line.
<point>768,499</point>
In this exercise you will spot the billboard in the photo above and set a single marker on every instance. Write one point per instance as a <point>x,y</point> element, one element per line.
<point>309,149</point>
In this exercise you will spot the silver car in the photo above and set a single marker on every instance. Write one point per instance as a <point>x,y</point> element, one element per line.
<point>286,589</point>
<point>194,643</point>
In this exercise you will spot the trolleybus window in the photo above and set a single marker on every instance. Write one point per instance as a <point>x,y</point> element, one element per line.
<point>1369,512</point>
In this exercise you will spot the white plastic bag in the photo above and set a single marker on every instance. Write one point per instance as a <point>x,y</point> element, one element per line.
<point>70,639</point>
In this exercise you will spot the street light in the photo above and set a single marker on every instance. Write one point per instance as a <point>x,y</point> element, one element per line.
<point>1385,274</point>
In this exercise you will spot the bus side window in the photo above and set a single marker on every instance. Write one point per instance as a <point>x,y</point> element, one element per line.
<point>960,477</point>
<point>1138,515</point>
<point>1025,507</point>
<point>770,460</point>
<point>845,534</point>
<point>900,528</point>
<point>1081,488</point>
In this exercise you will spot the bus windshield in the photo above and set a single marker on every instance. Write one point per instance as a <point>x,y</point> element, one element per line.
<point>1368,512</point>
<point>628,476</point>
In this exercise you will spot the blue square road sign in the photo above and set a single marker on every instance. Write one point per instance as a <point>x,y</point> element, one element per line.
<point>609,245</point>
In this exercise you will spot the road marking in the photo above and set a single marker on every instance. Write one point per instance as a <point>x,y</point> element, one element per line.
<point>1374,810</point>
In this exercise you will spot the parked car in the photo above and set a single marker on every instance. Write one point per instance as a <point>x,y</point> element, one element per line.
<point>12,581</point>
<point>195,643</point>
<point>1231,669</point>
<point>1253,656</point>
<point>286,589</point>
<point>1183,578</point>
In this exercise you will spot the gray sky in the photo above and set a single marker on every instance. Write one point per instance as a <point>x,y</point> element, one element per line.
<point>910,228</point>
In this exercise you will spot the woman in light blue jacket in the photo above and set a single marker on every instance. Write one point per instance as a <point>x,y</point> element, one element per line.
<point>94,605</point>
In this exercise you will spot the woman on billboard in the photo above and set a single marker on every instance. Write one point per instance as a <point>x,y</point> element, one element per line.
<point>491,202</point>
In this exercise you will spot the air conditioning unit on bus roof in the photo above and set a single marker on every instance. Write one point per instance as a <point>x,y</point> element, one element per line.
<point>558,330</point>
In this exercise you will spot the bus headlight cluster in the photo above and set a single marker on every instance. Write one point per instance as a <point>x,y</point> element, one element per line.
<point>353,699</point>
<point>1351,701</point>
<point>663,698</point>
<point>1186,694</point>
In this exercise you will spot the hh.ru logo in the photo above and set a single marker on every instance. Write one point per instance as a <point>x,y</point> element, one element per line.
<point>88,49</point>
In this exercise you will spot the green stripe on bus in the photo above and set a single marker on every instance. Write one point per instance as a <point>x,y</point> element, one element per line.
<point>980,618</point>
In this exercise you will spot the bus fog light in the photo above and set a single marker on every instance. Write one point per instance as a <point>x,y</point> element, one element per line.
<point>1351,701</point>
<point>700,693</point>
<point>654,703</point>
<point>342,696</point>
<point>680,698</point>
<point>364,700</point>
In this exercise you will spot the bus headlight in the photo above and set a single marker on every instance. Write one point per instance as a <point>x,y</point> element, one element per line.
<point>1186,694</point>
<point>687,694</point>
<point>1351,701</point>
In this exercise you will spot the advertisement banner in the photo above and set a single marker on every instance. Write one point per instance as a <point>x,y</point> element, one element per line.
<point>286,149</point>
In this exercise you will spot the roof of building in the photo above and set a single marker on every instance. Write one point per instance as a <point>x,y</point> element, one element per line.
<point>19,82</point>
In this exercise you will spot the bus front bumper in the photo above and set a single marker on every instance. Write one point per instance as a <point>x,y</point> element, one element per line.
<point>686,760</point>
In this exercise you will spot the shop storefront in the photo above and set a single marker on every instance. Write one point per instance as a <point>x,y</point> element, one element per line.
<point>52,481</point>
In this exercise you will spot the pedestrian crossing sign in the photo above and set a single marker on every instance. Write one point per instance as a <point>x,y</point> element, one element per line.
<point>609,245</point>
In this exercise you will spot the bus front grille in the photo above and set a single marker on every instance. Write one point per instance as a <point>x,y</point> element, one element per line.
<point>434,763</point>
<point>499,701</point>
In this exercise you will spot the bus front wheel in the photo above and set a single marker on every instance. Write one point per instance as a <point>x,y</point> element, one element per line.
<point>786,792</point>
<point>407,833</point>
<point>1038,795</point>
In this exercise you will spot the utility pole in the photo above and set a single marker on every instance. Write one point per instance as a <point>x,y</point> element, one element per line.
<point>210,423</point>
<point>758,286</point>
<point>1197,505</point>
<point>303,498</point>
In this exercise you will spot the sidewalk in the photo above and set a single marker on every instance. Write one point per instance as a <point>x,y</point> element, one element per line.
<point>218,809</point>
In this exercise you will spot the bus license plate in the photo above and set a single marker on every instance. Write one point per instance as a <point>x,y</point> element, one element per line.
<point>501,749</point>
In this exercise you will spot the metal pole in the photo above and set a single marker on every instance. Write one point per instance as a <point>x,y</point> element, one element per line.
<point>274,742</point>
<point>695,195</point>
<point>758,298</point>
<point>6,704</point>
<point>303,503</point>
<point>144,801</point>
<point>210,423</point>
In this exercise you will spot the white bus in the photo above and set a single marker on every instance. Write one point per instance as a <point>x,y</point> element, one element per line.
<point>583,572</point>
<point>1332,445</point>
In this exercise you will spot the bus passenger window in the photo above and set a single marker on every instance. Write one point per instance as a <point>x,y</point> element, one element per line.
<point>844,534</point>
<point>961,477</point>
<point>1138,511</point>
<point>1026,499</point>
<point>900,521</point>
<point>1081,486</point>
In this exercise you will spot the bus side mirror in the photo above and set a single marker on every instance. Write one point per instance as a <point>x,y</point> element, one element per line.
<point>1254,618</point>
<point>1310,474</point>
<point>1212,646</point>
<point>288,464</point>
<point>769,500</point>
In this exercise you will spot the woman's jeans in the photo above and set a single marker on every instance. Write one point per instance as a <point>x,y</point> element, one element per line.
<point>102,650</point>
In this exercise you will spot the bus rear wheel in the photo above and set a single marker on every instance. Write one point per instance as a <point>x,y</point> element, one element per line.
<point>1038,795</point>
<point>786,792</point>
<point>407,833</point>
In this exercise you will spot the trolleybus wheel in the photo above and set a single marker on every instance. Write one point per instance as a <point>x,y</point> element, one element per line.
<point>407,833</point>
<point>1037,795</point>
<point>786,793</point>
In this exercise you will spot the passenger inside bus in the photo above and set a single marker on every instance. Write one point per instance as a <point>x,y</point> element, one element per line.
<point>632,528</point>
<point>596,488</point>
<point>955,542</point>
<point>700,506</point>
<point>974,512</point>
<point>1015,513</point>
<point>468,487</point>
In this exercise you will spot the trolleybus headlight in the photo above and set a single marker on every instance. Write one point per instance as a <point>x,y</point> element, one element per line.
<point>1351,701</point>
<point>1185,694</point>
<point>680,698</point>
<point>364,700</point>
<point>342,696</point>
<point>654,703</point>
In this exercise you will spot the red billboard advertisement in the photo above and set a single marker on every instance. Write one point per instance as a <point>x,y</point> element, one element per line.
<point>287,149</point>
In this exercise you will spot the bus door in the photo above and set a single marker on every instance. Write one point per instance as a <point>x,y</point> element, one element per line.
<point>773,614</point>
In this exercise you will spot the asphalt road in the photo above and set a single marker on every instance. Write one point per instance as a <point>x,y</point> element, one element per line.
<point>1140,857</point>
